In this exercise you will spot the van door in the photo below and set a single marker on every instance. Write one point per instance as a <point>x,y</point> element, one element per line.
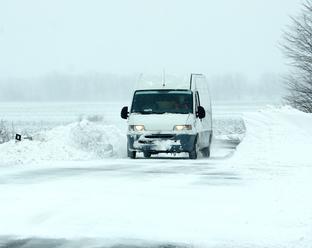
<point>198,122</point>
<point>202,125</point>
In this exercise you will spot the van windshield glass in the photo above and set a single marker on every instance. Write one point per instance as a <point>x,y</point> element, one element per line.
<point>162,101</point>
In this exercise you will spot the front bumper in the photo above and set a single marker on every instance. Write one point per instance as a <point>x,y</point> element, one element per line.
<point>161,143</point>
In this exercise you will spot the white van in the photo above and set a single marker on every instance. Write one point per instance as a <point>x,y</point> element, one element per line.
<point>170,118</point>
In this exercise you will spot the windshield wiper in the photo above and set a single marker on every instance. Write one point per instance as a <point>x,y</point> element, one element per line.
<point>159,112</point>
<point>176,112</point>
<point>143,112</point>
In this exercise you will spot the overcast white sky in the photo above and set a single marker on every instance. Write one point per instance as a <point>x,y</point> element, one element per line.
<point>133,36</point>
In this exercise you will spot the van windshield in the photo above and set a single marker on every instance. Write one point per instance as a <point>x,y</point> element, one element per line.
<point>162,101</point>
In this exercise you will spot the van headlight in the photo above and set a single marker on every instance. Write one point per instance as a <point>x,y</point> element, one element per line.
<point>137,128</point>
<point>182,127</point>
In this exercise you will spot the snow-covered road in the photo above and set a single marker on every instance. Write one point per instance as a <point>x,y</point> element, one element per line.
<point>257,196</point>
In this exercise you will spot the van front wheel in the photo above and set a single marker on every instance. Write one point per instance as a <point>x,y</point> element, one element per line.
<point>147,154</point>
<point>131,154</point>
<point>206,152</point>
<point>193,153</point>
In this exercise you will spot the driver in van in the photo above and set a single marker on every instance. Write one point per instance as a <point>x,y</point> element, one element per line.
<point>182,104</point>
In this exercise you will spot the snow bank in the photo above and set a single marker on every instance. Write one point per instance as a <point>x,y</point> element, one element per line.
<point>275,137</point>
<point>84,140</point>
<point>229,128</point>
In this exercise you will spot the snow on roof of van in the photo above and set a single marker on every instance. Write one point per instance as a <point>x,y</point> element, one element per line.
<point>157,82</point>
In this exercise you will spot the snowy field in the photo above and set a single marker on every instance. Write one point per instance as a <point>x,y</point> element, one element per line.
<point>72,185</point>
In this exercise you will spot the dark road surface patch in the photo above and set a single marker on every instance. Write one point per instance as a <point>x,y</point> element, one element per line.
<point>83,243</point>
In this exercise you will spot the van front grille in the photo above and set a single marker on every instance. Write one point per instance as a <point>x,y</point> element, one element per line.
<point>160,136</point>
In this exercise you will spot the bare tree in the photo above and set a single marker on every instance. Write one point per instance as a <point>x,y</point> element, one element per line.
<point>297,46</point>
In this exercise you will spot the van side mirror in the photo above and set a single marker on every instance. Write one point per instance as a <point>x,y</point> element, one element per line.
<point>124,113</point>
<point>201,113</point>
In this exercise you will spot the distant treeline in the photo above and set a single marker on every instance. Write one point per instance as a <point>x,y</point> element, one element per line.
<point>111,87</point>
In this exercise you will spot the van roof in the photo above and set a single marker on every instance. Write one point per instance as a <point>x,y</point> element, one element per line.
<point>162,86</point>
<point>157,82</point>
<point>189,82</point>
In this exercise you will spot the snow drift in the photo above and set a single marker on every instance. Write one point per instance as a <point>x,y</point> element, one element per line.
<point>275,136</point>
<point>84,140</point>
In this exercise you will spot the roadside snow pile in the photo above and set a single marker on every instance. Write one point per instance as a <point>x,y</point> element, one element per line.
<point>229,128</point>
<point>276,137</point>
<point>82,140</point>
<point>6,132</point>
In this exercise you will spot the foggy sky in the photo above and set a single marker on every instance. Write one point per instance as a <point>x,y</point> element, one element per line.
<point>133,36</point>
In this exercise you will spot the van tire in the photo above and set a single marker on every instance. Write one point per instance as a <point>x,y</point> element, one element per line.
<point>193,153</point>
<point>132,154</point>
<point>147,154</point>
<point>206,152</point>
